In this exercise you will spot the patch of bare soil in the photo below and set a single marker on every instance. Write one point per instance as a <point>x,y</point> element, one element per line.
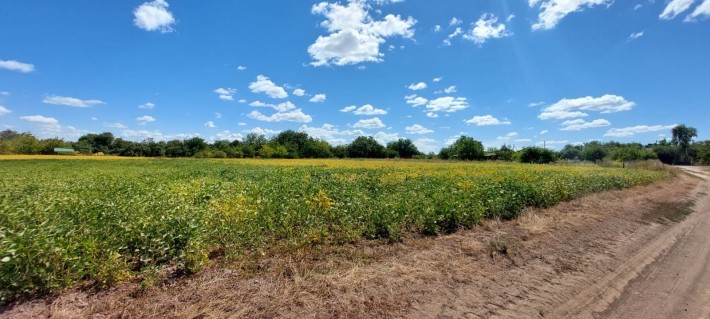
<point>572,260</point>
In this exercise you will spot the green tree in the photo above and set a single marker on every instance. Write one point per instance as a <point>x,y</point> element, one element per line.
<point>593,151</point>
<point>537,155</point>
<point>366,147</point>
<point>466,148</point>
<point>404,148</point>
<point>683,137</point>
<point>571,152</point>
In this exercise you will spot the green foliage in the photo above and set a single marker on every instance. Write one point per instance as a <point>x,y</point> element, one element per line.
<point>465,148</point>
<point>571,152</point>
<point>594,151</point>
<point>403,148</point>
<point>630,153</point>
<point>366,147</point>
<point>537,155</point>
<point>67,221</point>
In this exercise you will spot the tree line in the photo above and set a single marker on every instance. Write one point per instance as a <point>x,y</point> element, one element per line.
<point>291,144</point>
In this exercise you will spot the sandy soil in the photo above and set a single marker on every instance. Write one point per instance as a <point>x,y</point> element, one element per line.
<point>620,254</point>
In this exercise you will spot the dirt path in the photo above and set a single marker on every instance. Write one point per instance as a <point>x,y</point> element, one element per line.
<point>669,278</point>
<point>619,254</point>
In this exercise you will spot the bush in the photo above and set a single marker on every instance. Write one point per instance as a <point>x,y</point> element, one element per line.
<point>537,155</point>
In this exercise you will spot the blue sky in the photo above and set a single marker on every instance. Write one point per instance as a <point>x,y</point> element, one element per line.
<point>516,72</point>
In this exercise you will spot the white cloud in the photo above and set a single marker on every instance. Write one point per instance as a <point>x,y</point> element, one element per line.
<point>638,6</point>
<point>701,10</point>
<point>94,119</point>
<point>147,106</point>
<point>553,11</point>
<point>210,124</point>
<point>437,79</point>
<point>318,98</point>
<point>4,111</point>
<point>570,108</point>
<point>289,116</point>
<point>155,134</point>
<point>534,104</point>
<point>455,21</point>
<point>242,101</point>
<point>241,68</point>
<point>154,16</point>
<point>631,131</point>
<point>264,85</point>
<point>145,119</point>
<point>450,90</point>
<point>432,115</point>
<point>415,100</point>
<point>437,28</point>
<point>426,145</point>
<point>383,137</point>
<point>263,131</point>
<point>39,119</point>
<point>543,132</point>
<point>226,94</point>
<point>417,129</point>
<point>13,65</point>
<point>369,123</point>
<point>674,8</point>
<point>281,107</point>
<point>635,35</point>
<point>70,101</point>
<point>218,115</point>
<point>507,137</point>
<point>522,140</point>
<point>299,92</point>
<point>368,109</point>
<point>116,125</point>
<point>417,86</point>
<point>355,37</point>
<point>348,108</point>
<point>486,120</point>
<point>487,27</point>
<point>447,104</point>
<point>579,124</point>
<point>226,135</point>
<point>458,31</point>
<point>242,124</point>
<point>330,133</point>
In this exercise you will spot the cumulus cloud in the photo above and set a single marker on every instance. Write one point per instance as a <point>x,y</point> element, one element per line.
<point>348,108</point>
<point>553,11</point>
<point>417,86</point>
<point>369,123</point>
<point>674,8</point>
<point>571,108</point>
<point>140,135</point>
<point>702,10</point>
<point>39,119</point>
<point>146,106</point>
<point>450,90</point>
<point>264,85</point>
<point>299,92</point>
<point>226,94</point>
<point>368,109</point>
<point>226,135</point>
<point>318,98</point>
<point>4,111</point>
<point>13,65</point>
<point>486,120</point>
<point>116,125</point>
<point>288,116</point>
<point>70,101</point>
<point>415,100</point>
<point>154,16</point>
<point>355,37</point>
<point>534,104</point>
<point>437,79</point>
<point>507,137</point>
<point>281,107</point>
<point>383,137</point>
<point>263,131</point>
<point>210,124</point>
<point>145,119</point>
<point>579,124</point>
<point>330,133</point>
<point>432,115</point>
<point>455,21</point>
<point>417,129</point>
<point>487,27</point>
<point>426,145</point>
<point>543,132</point>
<point>241,68</point>
<point>447,104</point>
<point>631,131</point>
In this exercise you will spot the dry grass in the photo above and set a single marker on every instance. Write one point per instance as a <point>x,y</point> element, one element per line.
<point>67,157</point>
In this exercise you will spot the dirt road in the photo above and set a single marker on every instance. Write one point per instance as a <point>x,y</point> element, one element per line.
<point>668,279</point>
<point>637,253</point>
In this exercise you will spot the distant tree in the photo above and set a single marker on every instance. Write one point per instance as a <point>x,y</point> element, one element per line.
<point>571,152</point>
<point>195,145</point>
<point>255,141</point>
<point>317,149</point>
<point>683,137</point>
<point>593,151</point>
<point>48,145</point>
<point>404,148</point>
<point>366,147</point>
<point>295,142</point>
<point>504,153</point>
<point>8,134</point>
<point>537,155</point>
<point>466,148</point>
<point>340,151</point>
<point>631,152</point>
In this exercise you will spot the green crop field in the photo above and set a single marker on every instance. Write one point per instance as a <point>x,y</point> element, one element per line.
<point>65,221</point>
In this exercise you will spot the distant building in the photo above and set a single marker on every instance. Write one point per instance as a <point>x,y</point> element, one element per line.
<point>63,151</point>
